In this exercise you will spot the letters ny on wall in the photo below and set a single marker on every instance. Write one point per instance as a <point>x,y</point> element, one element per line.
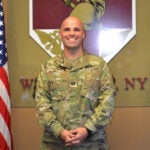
<point>110,26</point>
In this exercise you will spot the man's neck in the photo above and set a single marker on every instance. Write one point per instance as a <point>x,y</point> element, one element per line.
<point>73,54</point>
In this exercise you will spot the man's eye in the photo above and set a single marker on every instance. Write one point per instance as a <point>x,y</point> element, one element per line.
<point>77,29</point>
<point>66,29</point>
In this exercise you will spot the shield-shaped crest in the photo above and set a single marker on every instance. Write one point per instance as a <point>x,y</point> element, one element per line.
<point>109,25</point>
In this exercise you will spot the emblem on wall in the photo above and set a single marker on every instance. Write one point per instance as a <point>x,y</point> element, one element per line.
<point>109,25</point>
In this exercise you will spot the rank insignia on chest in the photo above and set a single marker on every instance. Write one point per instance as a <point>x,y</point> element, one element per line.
<point>73,84</point>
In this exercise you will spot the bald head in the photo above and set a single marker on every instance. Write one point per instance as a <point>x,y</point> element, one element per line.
<point>72,19</point>
<point>72,35</point>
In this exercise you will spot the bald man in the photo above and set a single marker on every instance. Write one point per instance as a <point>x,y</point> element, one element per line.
<point>74,95</point>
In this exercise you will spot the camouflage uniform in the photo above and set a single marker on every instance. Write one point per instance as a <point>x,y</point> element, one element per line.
<point>71,95</point>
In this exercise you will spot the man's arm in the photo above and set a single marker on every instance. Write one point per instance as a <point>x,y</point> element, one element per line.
<point>103,111</point>
<point>45,115</point>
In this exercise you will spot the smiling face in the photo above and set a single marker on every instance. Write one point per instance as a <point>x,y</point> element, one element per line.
<point>72,33</point>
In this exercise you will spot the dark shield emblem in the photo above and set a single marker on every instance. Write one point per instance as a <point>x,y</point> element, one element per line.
<point>109,25</point>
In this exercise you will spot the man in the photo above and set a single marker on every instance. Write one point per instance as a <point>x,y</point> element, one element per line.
<point>74,95</point>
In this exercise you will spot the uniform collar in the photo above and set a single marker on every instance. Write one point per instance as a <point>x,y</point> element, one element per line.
<point>62,62</point>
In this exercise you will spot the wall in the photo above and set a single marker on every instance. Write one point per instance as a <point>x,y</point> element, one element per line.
<point>129,129</point>
<point>130,126</point>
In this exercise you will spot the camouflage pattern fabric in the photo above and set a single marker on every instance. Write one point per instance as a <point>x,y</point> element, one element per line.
<point>95,145</point>
<point>71,94</point>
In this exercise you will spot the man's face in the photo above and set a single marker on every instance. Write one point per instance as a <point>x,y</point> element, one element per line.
<point>72,33</point>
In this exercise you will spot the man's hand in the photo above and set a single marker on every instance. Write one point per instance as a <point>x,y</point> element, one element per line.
<point>66,135</point>
<point>79,135</point>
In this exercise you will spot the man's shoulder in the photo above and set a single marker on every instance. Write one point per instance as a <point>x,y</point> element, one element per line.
<point>51,62</point>
<point>94,58</point>
<point>51,59</point>
<point>54,59</point>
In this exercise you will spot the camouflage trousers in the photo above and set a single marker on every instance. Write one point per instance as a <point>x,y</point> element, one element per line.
<point>92,146</point>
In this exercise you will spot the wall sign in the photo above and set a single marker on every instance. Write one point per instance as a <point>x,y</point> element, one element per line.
<point>109,25</point>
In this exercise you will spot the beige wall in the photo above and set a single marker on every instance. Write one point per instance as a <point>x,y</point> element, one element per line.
<point>129,129</point>
<point>130,126</point>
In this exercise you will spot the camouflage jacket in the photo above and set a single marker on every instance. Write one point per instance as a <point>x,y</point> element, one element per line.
<point>70,96</point>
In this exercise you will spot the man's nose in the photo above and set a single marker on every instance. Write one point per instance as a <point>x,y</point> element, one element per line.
<point>71,32</point>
